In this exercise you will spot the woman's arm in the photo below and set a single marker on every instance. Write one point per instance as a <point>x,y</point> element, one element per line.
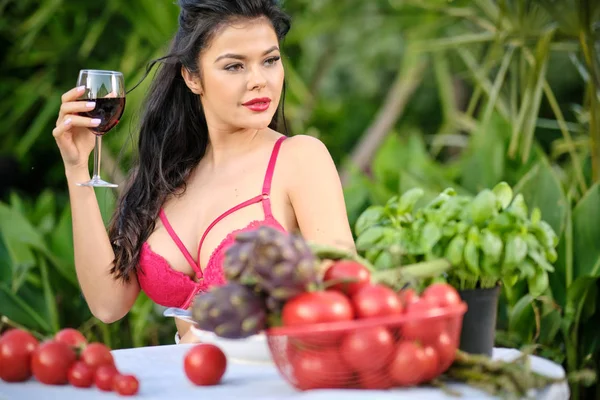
<point>315,192</point>
<point>109,300</point>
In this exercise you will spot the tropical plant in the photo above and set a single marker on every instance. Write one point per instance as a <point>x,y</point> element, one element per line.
<point>38,286</point>
<point>566,313</point>
<point>517,41</point>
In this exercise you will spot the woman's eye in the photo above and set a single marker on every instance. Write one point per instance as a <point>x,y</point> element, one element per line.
<point>272,60</point>
<point>237,67</point>
<point>233,67</point>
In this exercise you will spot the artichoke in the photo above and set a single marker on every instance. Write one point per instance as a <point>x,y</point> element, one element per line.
<point>278,263</point>
<point>237,260</point>
<point>232,311</point>
<point>273,305</point>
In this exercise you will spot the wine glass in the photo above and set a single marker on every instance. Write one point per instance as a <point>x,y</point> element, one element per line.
<point>107,90</point>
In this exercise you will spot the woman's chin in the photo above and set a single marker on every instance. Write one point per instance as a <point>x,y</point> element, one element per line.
<point>256,123</point>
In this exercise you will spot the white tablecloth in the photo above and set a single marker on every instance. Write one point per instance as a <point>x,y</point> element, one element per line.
<point>160,372</point>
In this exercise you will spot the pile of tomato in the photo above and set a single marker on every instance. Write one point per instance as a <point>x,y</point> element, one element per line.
<point>67,358</point>
<point>361,334</point>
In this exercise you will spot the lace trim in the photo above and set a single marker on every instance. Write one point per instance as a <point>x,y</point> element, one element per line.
<point>157,279</point>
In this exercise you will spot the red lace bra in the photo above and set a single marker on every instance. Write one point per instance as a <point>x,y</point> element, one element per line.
<point>171,288</point>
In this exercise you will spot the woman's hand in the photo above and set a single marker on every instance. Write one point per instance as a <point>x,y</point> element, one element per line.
<point>74,138</point>
<point>189,337</point>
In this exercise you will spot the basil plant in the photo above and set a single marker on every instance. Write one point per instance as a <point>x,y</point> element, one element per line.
<point>488,239</point>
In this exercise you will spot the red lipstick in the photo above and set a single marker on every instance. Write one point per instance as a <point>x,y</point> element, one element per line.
<point>258,104</point>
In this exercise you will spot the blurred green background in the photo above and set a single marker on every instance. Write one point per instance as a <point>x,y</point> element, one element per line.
<point>404,94</point>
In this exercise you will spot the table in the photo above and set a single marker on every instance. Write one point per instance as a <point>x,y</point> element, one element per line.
<point>160,371</point>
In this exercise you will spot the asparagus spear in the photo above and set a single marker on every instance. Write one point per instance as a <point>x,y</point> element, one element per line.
<point>507,379</point>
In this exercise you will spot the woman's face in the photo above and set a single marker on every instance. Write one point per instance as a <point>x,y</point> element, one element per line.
<point>242,76</point>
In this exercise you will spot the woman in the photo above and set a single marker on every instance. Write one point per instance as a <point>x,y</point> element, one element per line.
<point>211,163</point>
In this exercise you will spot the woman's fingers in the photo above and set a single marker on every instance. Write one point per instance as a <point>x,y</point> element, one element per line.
<point>71,120</point>
<point>72,132</point>
<point>72,94</point>
<point>75,107</point>
<point>70,105</point>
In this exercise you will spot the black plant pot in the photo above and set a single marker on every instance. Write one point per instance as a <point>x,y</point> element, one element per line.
<point>479,322</point>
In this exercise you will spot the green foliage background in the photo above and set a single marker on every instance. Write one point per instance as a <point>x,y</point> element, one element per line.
<point>403,93</point>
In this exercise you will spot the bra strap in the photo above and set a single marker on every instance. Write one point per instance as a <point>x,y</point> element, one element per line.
<point>266,190</point>
<point>178,242</point>
<point>246,203</point>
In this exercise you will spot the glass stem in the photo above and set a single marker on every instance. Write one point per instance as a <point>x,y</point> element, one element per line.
<point>97,151</point>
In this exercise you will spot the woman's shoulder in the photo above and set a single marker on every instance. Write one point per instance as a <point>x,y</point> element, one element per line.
<point>306,158</point>
<point>304,148</point>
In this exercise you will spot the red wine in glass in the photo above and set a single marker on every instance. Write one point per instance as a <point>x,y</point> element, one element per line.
<point>107,90</point>
<point>108,110</point>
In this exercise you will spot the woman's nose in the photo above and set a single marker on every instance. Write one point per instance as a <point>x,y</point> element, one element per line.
<point>256,79</point>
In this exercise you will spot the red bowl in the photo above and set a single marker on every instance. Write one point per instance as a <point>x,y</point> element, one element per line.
<point>374,353</point>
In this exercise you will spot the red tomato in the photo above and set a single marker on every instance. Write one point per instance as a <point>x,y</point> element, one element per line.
<point>367,349</point>
<point>431,363</point>
<point>375,300</point>
<point>446,350</point>
<point>442,295</point>
<point>375,380</point>
<point>80,375</point>
<point>51,362</point>
<point>16,349</point>
<point>205,364</point>
<point>424,330</point>
<point>71,336</point>
<point>126,385</point>
<point>408,365</point>
<point>408,296</point>
<point>104,377</point>
<point>317,307</point>
<point>96,354</point>
<point>351,276</point>
<point>320,369</point>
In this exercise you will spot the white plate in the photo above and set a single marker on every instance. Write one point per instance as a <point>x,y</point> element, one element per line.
<point>253,349</point>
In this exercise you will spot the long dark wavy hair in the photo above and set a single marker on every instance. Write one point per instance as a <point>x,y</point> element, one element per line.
<point>173,132</point>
